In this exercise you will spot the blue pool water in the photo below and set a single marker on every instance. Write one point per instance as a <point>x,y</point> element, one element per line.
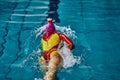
<point>96,25</point>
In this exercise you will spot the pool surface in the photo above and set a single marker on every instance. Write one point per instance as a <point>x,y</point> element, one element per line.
<point>96,24</point>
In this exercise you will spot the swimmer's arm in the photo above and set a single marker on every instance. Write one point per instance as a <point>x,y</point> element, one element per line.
<point>67,40</point>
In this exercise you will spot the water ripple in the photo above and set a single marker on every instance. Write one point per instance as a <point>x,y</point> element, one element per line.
<point>19,22</point>
<point>31,15</point>
<point>38,7</point>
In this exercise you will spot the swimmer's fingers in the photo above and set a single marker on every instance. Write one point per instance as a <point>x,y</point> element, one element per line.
<point>69,46</point>
<point>41,60</point>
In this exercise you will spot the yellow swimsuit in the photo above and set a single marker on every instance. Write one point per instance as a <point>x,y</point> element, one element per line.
<point>50,46</point>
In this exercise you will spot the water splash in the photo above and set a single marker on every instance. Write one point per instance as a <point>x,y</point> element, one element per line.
<point>67,31</point>
<point>69,60</point>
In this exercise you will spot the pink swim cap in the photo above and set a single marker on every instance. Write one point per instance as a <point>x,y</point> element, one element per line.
<point>50,28</point>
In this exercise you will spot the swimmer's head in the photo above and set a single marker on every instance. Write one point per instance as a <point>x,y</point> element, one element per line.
<point>50,28</point>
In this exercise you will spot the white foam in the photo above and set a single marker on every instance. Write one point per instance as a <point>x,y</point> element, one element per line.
<point>69,60</point>
<point>67,31</point>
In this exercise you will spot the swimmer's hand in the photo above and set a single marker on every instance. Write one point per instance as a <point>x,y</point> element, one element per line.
<point>70,46</point>
<point>41,60</point>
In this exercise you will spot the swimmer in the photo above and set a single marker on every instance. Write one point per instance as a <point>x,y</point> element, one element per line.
<point>50,50</point>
